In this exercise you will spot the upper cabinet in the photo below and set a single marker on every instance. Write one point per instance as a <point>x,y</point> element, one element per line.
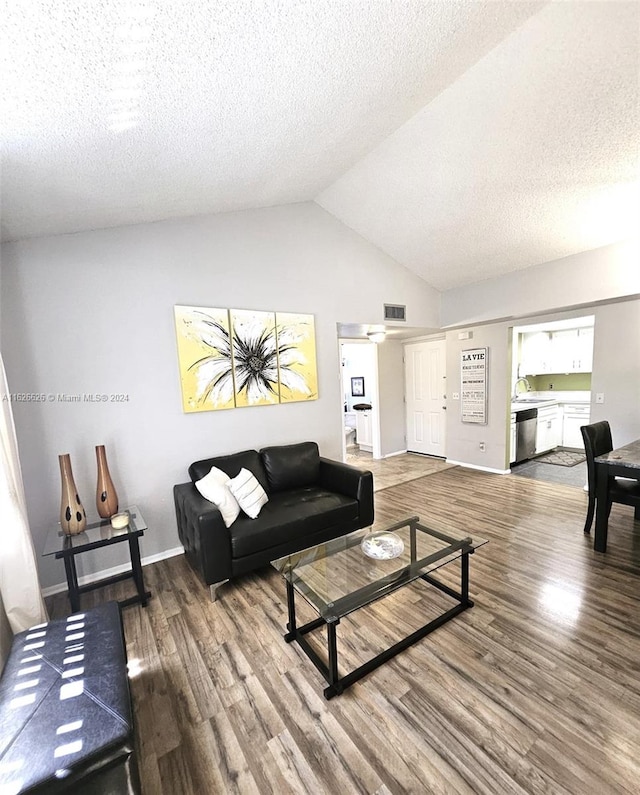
<point>535,353</point>
<point>572,350</point>
<point>565,351</point>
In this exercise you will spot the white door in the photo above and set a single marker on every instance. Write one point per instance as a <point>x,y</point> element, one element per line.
<point>425,393</point>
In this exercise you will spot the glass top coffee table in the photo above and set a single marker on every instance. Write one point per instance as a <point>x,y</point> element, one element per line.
<point>353,571</point>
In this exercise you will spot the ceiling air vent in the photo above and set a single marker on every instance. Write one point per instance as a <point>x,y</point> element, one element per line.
<point>395,312</point>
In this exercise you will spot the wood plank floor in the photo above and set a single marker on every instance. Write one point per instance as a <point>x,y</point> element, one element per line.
<point>534,690</point>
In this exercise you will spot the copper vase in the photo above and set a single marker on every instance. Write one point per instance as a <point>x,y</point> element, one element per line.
<point>73,519</point>
<point>106,495</point>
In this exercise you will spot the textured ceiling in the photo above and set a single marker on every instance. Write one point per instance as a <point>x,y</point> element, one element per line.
<point>465,139</point>
<point>529,156</point>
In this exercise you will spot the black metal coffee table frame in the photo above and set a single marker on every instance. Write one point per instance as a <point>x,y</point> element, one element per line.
<point>373,592</point>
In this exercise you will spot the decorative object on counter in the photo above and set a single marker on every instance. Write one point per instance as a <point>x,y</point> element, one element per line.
<point>382,545</point>
<point>106,495</point>
<point>73,519</point>
<point>119,520</point>
<point>357,386</point>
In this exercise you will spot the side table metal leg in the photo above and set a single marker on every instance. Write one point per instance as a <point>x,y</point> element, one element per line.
<point>136,566</point>
<point>72,583</point>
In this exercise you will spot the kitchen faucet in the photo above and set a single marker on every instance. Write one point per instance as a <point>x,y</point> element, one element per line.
<point>515,387</point>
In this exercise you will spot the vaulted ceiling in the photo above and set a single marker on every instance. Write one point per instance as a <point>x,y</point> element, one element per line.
<point>465,139</point>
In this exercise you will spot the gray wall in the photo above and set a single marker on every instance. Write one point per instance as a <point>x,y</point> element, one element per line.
<point>616,369</point>
<point>93,313</point>
<point>463,439</point>
<point>616,373</point>
<point>6,636</point>
<point>604,282</point>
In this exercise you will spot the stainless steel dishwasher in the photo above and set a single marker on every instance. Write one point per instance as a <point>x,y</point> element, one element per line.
<point>526,428</point>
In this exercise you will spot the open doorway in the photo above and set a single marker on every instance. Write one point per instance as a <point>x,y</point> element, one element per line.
<point>551,396</point>
<point>359,381</point>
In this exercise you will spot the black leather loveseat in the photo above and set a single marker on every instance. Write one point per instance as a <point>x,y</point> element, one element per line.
<point>311,500</point>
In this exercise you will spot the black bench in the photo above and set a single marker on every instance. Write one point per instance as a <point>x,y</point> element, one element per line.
<point>65,709</point>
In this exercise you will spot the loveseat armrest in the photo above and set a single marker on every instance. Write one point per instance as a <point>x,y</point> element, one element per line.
<point>352,482</point>
<point>204,536</point>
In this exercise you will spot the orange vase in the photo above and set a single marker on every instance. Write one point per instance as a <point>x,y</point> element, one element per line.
<point>73,519</point>
<point>106,495</point>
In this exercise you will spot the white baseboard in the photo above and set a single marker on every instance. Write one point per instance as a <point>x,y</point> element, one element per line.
<point>398,452</point>
<point>475,466</point>
<point>102,575</point>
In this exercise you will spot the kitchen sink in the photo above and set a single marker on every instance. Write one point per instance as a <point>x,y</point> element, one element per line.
<point>533,400</point>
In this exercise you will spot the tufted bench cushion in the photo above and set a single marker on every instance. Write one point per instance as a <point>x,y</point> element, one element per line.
<point>65,710</point>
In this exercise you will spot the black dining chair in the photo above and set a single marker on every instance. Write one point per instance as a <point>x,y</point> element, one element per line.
<point>598,441</point>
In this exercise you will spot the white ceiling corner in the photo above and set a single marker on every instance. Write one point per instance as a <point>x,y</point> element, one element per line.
<point>464,138</point>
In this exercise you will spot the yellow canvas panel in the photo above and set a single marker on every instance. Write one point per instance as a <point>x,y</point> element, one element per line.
<point>297,369</point>
<point>204,357</point>
<point>255,365</point>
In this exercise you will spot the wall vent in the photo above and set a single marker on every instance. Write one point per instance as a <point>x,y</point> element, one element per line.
<point>395,312</point>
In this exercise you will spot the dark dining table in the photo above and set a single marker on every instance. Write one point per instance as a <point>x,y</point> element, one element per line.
<point>622,462</point>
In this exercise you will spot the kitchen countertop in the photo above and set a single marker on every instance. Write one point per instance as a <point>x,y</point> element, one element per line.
<point>531,403</point>
<point>536,400</point>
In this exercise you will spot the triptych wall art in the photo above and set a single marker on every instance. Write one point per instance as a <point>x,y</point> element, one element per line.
<point>237,357</point>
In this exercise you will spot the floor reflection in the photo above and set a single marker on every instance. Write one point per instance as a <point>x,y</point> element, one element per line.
<point>397,469</point>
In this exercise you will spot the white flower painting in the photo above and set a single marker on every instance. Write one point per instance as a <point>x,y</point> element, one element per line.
<point>232,358</point>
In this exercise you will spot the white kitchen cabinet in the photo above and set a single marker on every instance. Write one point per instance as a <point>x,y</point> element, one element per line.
<point>512,441</point>
<point>572,350</point>
<point>565,351</point>
<point>549,432</point>
<point>574,416</point>
<point>364,435</point>
<point>535,353</point>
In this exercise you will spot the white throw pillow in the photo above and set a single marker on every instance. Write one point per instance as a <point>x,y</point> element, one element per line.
<point>215,488</point>
<point>248,492</point>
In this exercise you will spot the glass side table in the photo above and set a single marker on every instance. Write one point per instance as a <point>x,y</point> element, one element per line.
<point>96,535</point>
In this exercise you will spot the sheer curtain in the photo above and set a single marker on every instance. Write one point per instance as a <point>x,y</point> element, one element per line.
<point>19,585</point>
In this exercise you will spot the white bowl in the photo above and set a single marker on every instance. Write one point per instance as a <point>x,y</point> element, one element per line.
<point>119,520</point>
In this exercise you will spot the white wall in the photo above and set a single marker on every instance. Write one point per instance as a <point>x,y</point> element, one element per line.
<point>93,313</point>
<point>358,361</point>
<point>391,397</point>
<point>603,274</point>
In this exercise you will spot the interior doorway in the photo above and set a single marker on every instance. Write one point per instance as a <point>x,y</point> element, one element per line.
<point>359,381</point>
<point>425,395</point>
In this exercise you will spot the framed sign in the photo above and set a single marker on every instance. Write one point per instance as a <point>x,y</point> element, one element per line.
<point>357,387</point>
<point>473,385</point>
